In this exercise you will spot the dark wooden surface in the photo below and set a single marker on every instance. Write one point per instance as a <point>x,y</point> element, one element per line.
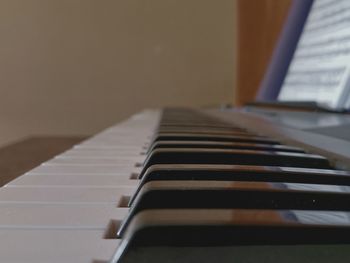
<point>24,155</point>
<point>259,25</point>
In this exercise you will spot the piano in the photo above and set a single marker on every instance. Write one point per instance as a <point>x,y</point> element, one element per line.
<point>185,185</point>
<point>203,185</point>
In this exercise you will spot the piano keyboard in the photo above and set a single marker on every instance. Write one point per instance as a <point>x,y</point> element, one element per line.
<point>172,178</point>
<point>62,210</point>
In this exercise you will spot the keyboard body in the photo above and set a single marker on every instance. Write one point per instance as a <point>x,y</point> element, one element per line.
<point>71,208</point>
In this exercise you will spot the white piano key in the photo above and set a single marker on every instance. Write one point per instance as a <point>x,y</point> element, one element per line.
<point>140,136</point>
<point>127,136</point>
<point>104,152</point>
<point>49,216</point>
<point>133,138</point>
<point>127,129</point>
<point>118,148</point>
<point>119,157</point>
<point>55,246</point>
<point>117,170</point>
<point>65,195</point>
<point>117,142</point>
<point>107,144</point>
<point>71,180</point>
<point>82,160</point>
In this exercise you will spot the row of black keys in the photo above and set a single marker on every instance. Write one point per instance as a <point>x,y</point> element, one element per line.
<point>206,182</point>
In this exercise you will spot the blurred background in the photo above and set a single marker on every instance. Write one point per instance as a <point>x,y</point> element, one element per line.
<point>75,67</point>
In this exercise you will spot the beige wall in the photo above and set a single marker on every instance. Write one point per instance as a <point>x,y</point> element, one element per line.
<point>78,66</point>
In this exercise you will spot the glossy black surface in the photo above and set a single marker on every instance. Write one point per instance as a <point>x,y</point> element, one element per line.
<point>192,130</point>
<point>241,157</point>
<point>243,173</point>
<point>208,137</point>
<point>228,195</point>
<point>257,191</point>
<point>224,145</point>
<point>237,227</point>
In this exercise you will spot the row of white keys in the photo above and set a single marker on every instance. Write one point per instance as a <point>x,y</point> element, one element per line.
<point>62,210</point>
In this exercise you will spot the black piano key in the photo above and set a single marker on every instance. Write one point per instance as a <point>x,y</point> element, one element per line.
<point>242,157</point>
<point>181,128</point>
<point>194,122</point>
<point>208,137</point>
<point>205,131</point>
<point>227,227</point>
<point>224,145</point>
<point>238,194</point>
<point>170,172</point>
<point>217,126</point>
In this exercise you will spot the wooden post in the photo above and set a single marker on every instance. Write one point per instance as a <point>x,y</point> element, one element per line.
<point>259,25</point>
